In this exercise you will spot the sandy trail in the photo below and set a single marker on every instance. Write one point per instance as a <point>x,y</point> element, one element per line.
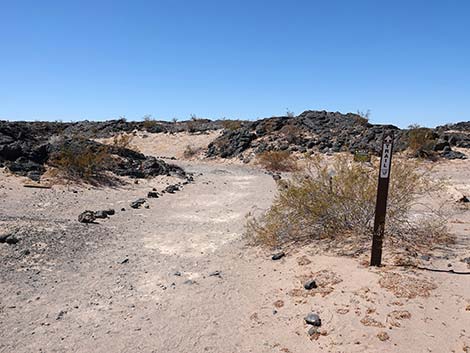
<point>145,280</point>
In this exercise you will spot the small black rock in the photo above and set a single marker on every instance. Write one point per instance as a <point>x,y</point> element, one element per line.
<point>152,194</point>
<point>101,214</point>
<point>12,239</point>
<point>425,257</point>
<point>311,284</point>
<point>313,319</point>
<point>87,217</point>
<point>278,256</point>
<point>464,199</point>
<point>137,203</point>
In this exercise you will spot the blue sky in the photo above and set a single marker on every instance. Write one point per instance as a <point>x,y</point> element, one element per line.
<point>406,61</point>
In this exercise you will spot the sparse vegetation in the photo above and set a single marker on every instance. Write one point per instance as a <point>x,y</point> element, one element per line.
<point>363,117</point>
<point>124,141</point>
<point>337,203</point>
<point>421,141</point>
<point>362,156</point>
<point>189,152</point>
<point>277,161</point>
<point>81,161</point>
<point>149,122</point>
<point>289,113</point>
<point>231,125</point>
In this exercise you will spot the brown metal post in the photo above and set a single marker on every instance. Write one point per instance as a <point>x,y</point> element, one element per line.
<point>382,196</point>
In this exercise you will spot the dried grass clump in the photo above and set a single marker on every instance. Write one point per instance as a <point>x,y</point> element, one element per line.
<point>232,125</point>
<point>405,286</point>
<point>336,202</point>
<point>394,318</point>
<point>325,279</point>
<point>277,161</point>
<point>190,151</point>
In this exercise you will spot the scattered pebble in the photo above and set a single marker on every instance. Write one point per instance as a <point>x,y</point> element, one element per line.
<point>313,319</point>
<point>278,255</point>
<point>311,284</point>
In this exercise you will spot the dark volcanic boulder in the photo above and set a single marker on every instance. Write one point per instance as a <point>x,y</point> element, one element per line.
<point>314,130</point>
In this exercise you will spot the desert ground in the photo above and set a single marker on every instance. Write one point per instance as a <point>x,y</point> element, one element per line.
<point>179,276</point>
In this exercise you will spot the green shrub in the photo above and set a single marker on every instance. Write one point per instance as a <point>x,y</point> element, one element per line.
<point>337,202</point>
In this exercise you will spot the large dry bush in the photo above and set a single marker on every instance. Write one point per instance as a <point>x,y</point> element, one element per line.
<point>82,162</point>
<point>277,161</point>
<point>336,201</point>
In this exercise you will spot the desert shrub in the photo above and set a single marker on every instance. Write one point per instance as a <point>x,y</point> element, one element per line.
<point>231,125</point>
<point>336,201</point>
<point>124,141</point>
<point>149,122</point>
<point>362,117</point>
<point>277,161</point>
<point>362,156</point>
<point>81,161</point>
<point>421,142</point>
<point>189,151</point>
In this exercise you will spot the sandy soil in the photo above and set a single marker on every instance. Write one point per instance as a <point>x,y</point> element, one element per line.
<point>178,277</point>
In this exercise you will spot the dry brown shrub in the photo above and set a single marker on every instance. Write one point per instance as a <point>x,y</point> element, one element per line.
<point>190,151</point>
<point>231,125</point>
<point>86,163</point>
<point>383,336</point>
<point>124,141</point>
<point>406,286</point>
<point>277,161</point>
<point>303,260</point>
<point>149,122</point>
<point>394,318</point>
<point>336,202</point>
<point>370,321</point>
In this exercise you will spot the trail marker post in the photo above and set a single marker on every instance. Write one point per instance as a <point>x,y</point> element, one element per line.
<point>382,196</point>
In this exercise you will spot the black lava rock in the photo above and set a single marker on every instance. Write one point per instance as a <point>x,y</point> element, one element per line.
<point>152,194</point>
<point>313,319</point>
<point>101,214</point>
<point>137,203</point>
<point>278,255</point>
<point>311,284</point>
<point>87,217</point>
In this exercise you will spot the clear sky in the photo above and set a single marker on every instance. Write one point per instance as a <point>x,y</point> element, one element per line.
<point>406,61</point>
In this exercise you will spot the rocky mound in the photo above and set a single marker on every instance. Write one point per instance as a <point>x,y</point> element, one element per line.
<point>25,149</point>
<point>325,132</point>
